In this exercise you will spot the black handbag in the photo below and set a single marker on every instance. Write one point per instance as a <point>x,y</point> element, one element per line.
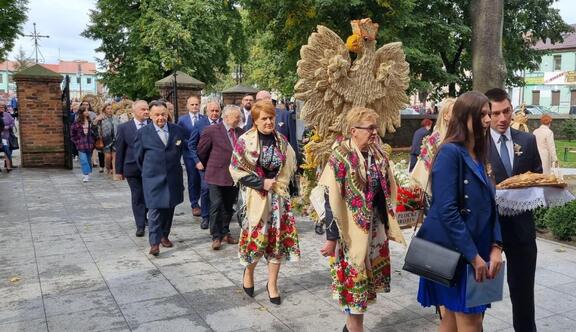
<point>433,261</point>
<point>13,141</point>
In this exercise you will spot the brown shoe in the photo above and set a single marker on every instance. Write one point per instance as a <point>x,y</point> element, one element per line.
<point>166,243</point>
<point>229,239</point>
<point>154,250</point>
<point>216,244</point>
<point>196,212</point>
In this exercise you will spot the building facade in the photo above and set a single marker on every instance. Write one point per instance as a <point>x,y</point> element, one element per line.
<point>83,77</point>
<point>553,85</point>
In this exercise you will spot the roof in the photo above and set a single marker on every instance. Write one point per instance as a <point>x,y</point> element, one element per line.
<point>63,67</point>
<point>183,79</point>
<point>568,43</point>
<point>38,70</point>
<point>240,88</point>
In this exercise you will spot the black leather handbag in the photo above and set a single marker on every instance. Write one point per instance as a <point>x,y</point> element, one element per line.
<point>433,261</point>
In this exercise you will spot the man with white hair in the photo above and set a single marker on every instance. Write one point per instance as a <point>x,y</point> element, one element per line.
<point>215,151</point>
<point>213,118</point>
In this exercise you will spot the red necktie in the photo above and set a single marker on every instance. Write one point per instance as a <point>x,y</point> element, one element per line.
<point>232,134</point>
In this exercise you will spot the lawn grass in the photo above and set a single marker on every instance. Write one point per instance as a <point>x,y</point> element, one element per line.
<point>570,157</point>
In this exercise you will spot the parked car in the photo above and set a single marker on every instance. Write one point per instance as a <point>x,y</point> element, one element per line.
<point>409,111</point>
<point>534,109</point>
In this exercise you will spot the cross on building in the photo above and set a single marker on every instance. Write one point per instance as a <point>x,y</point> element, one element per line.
<point>35,35</point>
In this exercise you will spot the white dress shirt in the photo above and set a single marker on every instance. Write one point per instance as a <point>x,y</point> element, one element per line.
<point>509,144</point>
<point>162,133</point>
<point>139,124</point>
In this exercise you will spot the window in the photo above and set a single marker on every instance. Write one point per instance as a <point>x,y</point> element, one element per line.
<point>535,97</point>
<point>88,80</point>
<point>78,80</point>
<point>557,62</point>
<point>1,78</point>
<point>555,98</point>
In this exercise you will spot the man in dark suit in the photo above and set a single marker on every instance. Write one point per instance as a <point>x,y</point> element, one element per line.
<point>125,164</point>
<point>419,135</point>
<point>158,149</point>
<point>246,107</point>
<point>189,122</point>
<point>215,151</point>
<point>513,152</point>
<point>213,111</point>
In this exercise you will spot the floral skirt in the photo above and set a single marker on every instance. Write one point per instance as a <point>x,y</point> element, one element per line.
<point>275,238</point>
<point>355,289</point>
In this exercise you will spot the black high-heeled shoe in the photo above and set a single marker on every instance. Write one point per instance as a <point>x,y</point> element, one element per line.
<point>275,300</point>
<point>345,329</point>
<point>248,290</point>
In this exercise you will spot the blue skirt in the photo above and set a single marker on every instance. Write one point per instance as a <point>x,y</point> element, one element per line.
<point>453,298</point>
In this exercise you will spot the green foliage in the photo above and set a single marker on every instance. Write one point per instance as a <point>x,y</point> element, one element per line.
<point>568,129</point>
<point>13,15</point>
<point>561,221</point>
<point>539,217</point>
<point>144,41</point>
<point>436,35</point>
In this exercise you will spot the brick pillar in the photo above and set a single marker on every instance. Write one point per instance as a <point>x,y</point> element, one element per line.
<point>187,86</point>
<point>183,94</point>
<point>40,115</point>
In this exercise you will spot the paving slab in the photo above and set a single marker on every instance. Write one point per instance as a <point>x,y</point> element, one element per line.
<point>83,269</point>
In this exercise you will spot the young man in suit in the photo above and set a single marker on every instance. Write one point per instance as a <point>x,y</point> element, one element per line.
<point>213,111</point>
<point>189,122</point>
<point>215,151</point>
<point>513,152</point>
<point>125,164</point>
<point>246,107</point>
<point>159,147</point>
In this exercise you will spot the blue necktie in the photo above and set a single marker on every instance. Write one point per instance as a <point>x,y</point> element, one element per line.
<point>504,155</point>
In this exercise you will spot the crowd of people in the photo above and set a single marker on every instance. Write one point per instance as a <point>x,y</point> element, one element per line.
<point>246,156</point>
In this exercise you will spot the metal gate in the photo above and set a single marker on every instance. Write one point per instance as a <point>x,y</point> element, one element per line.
<point>67,120</point>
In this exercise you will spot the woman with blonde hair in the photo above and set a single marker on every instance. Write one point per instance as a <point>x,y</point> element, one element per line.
<point>263,162</point>
<point>546,146</point>
<point>359,215</point>
<point>430,144</point>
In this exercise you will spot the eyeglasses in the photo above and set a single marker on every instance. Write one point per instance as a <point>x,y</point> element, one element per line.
<point>369,128</point>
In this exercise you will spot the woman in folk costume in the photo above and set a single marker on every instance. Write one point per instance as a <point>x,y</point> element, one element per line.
<point>361,194</point>
<point>263,162</point>
<point>431,143</point>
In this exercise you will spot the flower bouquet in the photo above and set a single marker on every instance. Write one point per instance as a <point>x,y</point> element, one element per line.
<point>409,198</point>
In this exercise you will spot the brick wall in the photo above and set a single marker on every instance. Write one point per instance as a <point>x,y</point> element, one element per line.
<point>183,94</point>
<point>41,126</point>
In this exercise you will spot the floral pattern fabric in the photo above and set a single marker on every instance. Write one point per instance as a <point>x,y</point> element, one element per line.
<point>275,239</point>
<point>430,145</point>
<point>354,290</point>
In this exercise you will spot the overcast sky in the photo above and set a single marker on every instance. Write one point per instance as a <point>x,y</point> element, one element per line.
<point>64,20</point>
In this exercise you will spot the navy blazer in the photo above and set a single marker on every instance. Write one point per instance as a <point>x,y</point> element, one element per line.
<point>185,122</point>
<point>162,179</point>
<point>195,137</point>
<point>215,152</point>
<point>125,158</point>
<point>527,159</point>
<point>445,224</point>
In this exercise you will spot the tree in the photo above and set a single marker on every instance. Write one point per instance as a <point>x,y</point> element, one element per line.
<point>488,66</point>
<point>13,13</point>
<point>437,34</point>
<point>22,61</point>
<point>145,40</point>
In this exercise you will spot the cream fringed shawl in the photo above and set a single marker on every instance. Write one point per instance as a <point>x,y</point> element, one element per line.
<point>245,162</point>
<point>346,180</point>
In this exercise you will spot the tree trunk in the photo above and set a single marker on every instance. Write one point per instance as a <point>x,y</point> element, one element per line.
<point>488,66</point>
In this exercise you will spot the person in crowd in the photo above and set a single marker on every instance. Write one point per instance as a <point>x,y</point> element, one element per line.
<point>83,135</point>
<point>246,106</point>
<point>213,112</point>
<point>430,144</point>
<point>158,149</point>
<point>97,155</point>
<point>189,122</point>
<point>170,108</point>
<point>263,162</point>
<point>513,152</point>
<point>74,110</point>
<point>108,127</point>
<point>472,229</point>
<point>359,216</point>
<point>125,163</point>
<point>546,146</point>
<point>7,131</point>
<point>417,138</point>
<point>216,152</point>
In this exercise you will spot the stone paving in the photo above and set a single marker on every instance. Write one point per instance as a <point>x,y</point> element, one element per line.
<point>69,261</point>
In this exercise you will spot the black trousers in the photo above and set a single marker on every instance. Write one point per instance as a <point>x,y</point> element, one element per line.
<point>222,199</point>
<point>138,206</point>
<point>518,235</point>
